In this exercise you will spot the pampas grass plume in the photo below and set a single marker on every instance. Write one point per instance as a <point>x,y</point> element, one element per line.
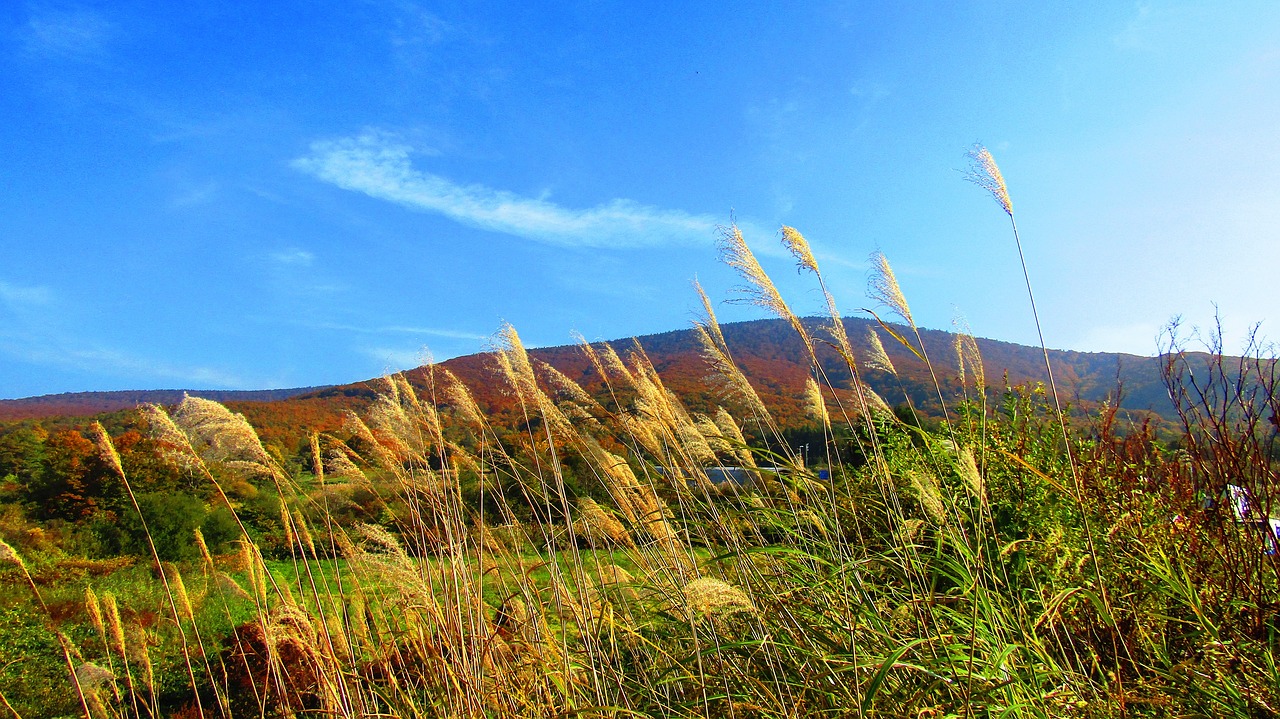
<point>984,173</point>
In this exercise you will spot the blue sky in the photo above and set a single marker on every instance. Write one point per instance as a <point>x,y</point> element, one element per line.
<point>251,195</point>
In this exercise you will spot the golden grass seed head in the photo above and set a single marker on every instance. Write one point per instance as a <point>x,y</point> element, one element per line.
<point>205,555</point>
<point>815,403</point>
<point>286,522</point>
<point>144,656</point>
<point>115,628</point>
<point>179,587</point>
<point>94,609</point>
<point>613,574</point>
<point>300,524</point>
<point>459,396</point>
<point>968,469</point>
<point>92,677</point>
<point>882,286</point>
<point>338,464</point>
<point>352,424</point>
<point>909,530</point>
<point>379,539</point>
<point>733,383</point>
<point>106,448</point>
<point>9,555</point>
<point>874,401</point>
<point>836,328</point>
<point>224,435</point>
<point>317,459</point>
<point>562,387</point>
<point>599,525</point>
<point>984,173</point>
<point>877,357</point>
<point>968,355</point>
<point>614,364</point>
<point>759,289</point>
<point>175,446</point>
<point>708,596</point>
<point>226,583</point>
<point>799,248</point>
<point>929,496</point>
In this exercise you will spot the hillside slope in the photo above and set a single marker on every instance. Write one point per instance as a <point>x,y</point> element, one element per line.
<point>769,352</point>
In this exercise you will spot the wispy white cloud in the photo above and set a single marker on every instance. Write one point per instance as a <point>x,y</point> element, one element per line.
<point>56,351</point>
<point>17,295</point>
<point>398,359</point>
<point>31,333</point>
<point>381,168</point>
<point>195,196</point>
<point>293,257</point>
<point>414,25</point>
<point>67,35</point>
<point>404,329</point>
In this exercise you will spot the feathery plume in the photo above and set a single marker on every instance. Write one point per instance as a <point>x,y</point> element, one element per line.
<point>460,398</point>
<point>816,404</point>
<point>115,628</point>
<point>218,434</point>
<point>614,363</point>
<point>9,555</point>
<point>968,469</point>
<point>759,289</point>
<point>228,584</point>
<point>837,329</point>
<point>106,449</point>
<point>181,597</point>
<point>205,555</point>
<point>711,325</point>
<point>968,356</point>
<point>94,610</point>
<point>929,496</point>
<point>598,525</point>
<point>352,423</point>
<point>799,248</point>
<point>300,524</point>
<point>613,574</point>
<point>732,381</point>
<point>338,463</point>
<point>513,360</point>
<point>91,676</point>
<point>317,459</point>
<point>707,596</point>
<point>984,173</point>
<point>286,522</point>
<point>559,383</point>
<point>882,286</point>
<point>877,358</point>
<point>175,446</point>
<point>874,401</point>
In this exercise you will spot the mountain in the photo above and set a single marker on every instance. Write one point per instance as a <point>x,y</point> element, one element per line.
<point>87,404</point>
<point>768,351</point>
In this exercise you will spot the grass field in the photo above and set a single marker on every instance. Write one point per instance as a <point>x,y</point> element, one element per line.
<point>1000,561</point>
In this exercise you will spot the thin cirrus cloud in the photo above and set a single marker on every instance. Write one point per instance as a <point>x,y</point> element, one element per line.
<point>67,35</point>
<point>20,295</point>
<point>382,169</point>
<point>404,329</point>
<point>293,257</point>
